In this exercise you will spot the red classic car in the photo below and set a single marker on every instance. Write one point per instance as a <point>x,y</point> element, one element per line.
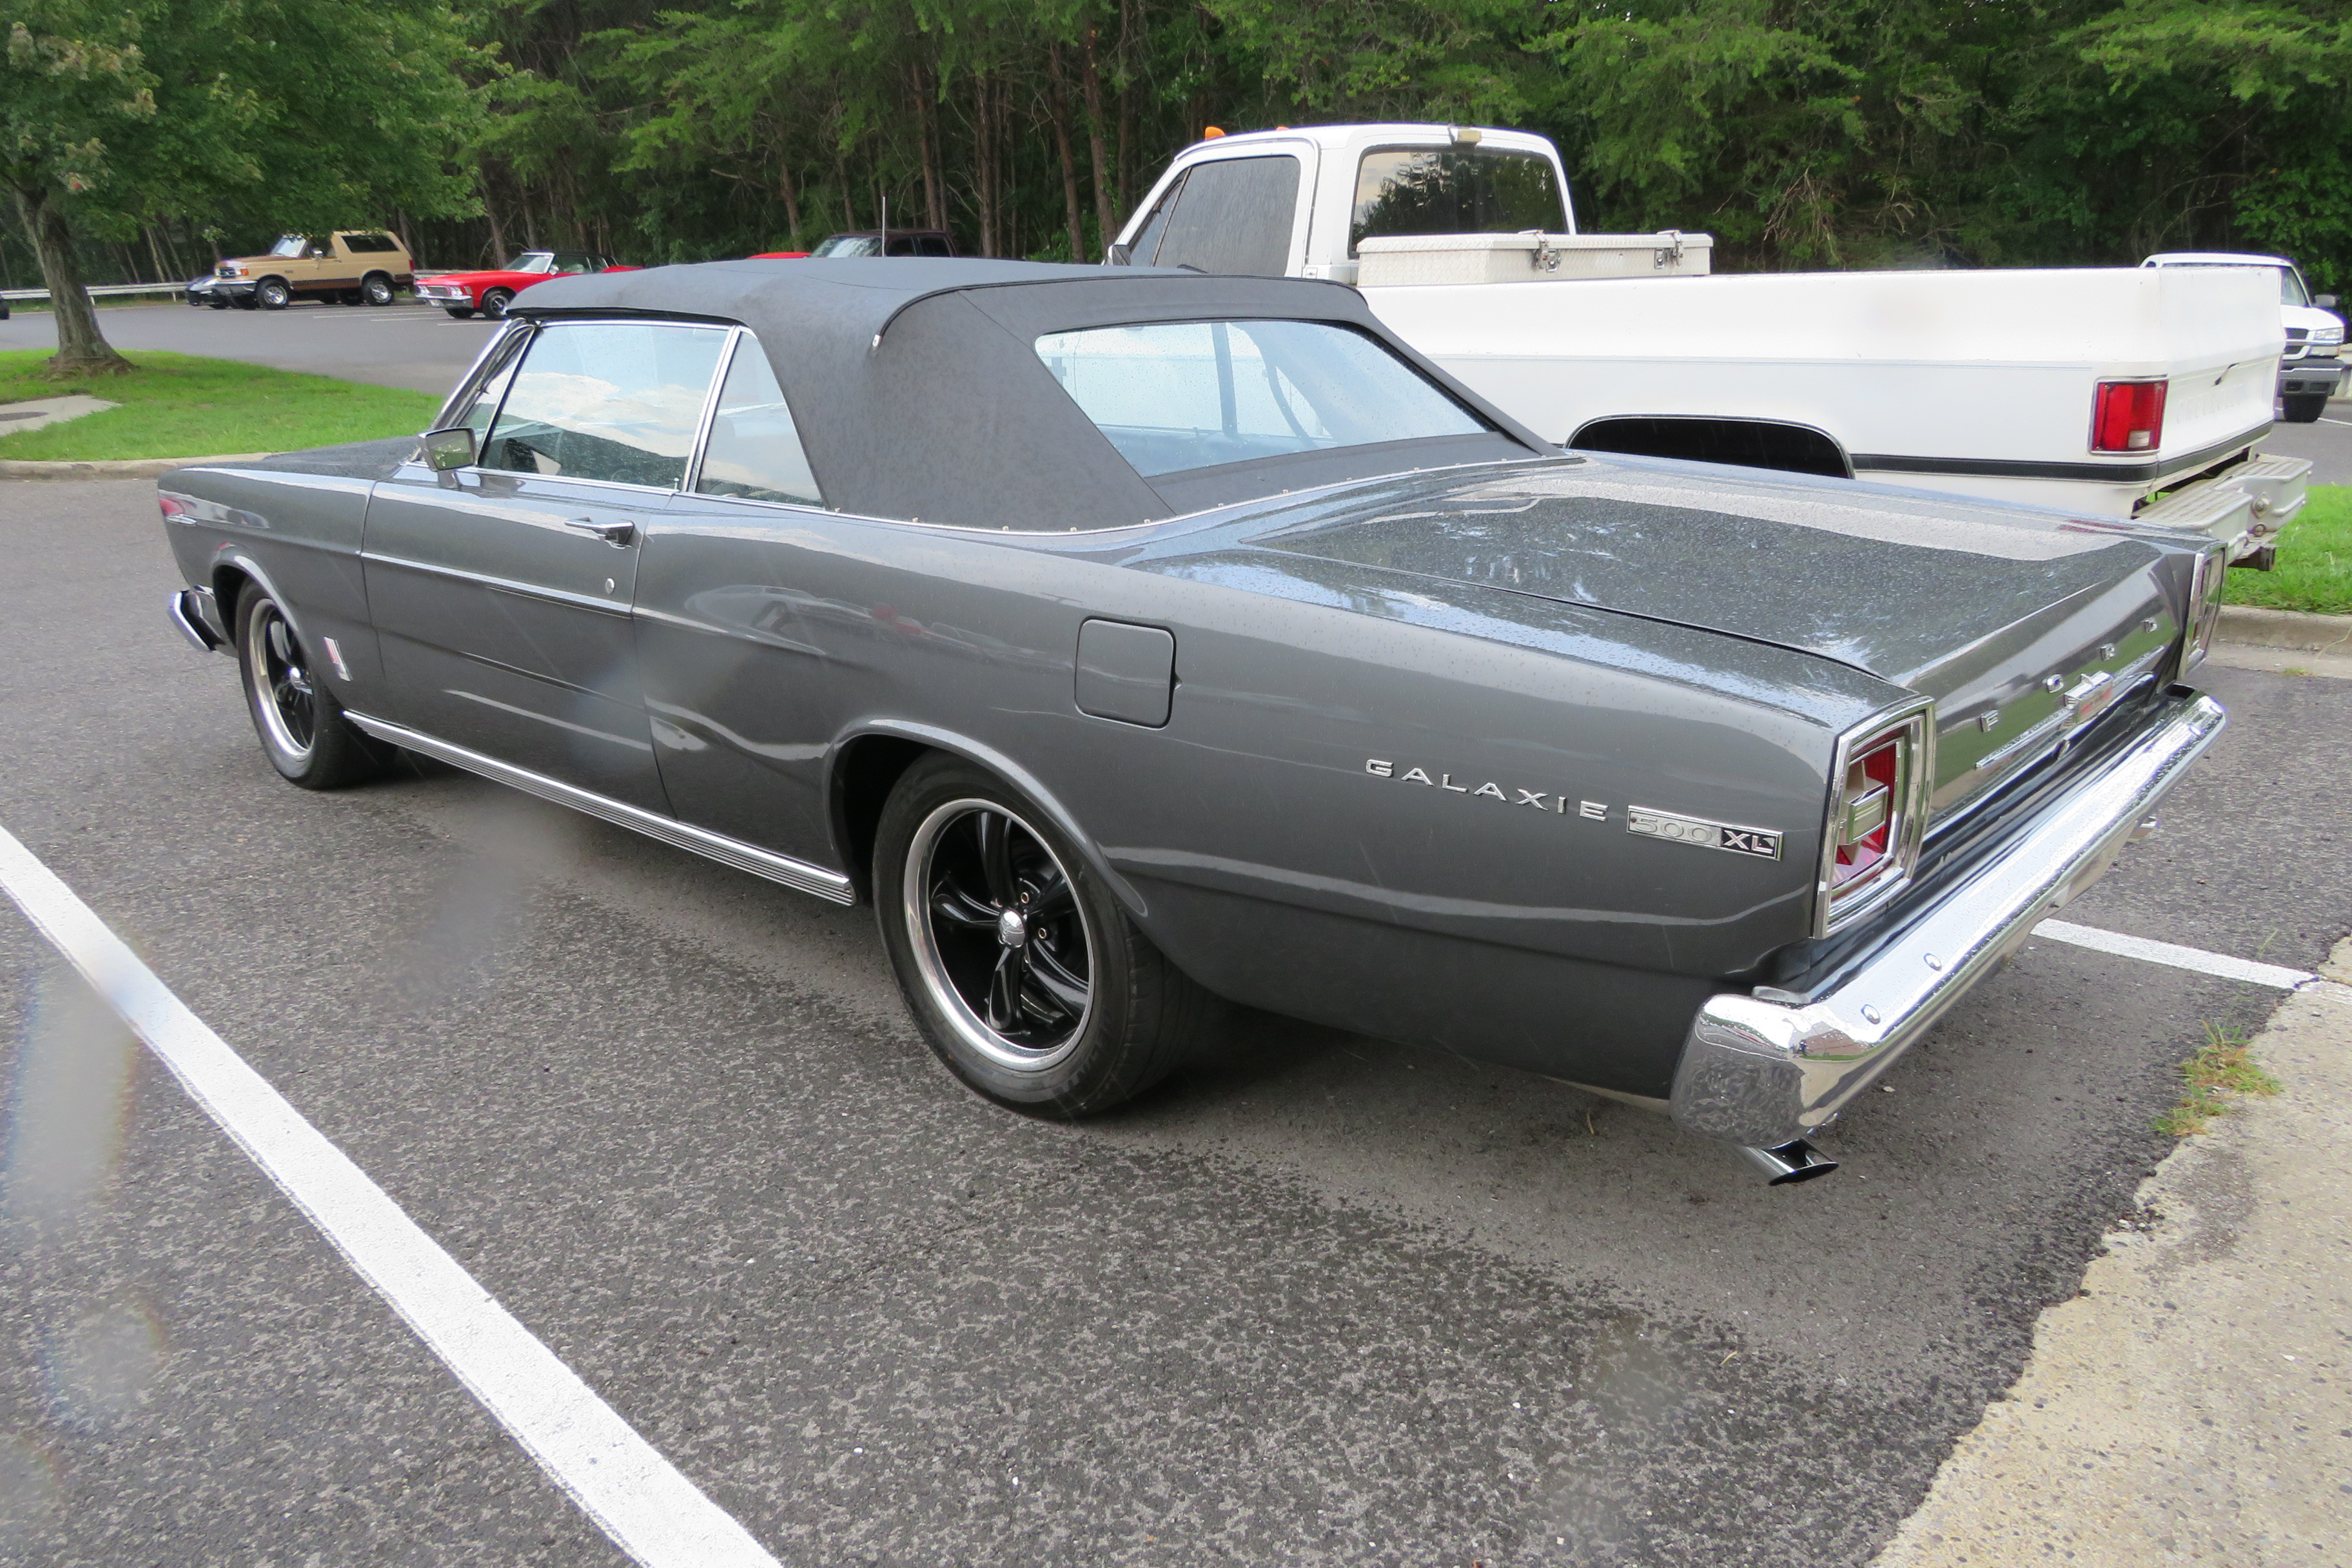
<point>463,293</point>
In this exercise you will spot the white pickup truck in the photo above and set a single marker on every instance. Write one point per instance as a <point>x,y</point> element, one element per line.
<point>2106,392</point>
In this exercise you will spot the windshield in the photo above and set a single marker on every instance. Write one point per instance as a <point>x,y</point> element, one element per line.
<point>2291,289</point>
<point>533,261</point>
<point>850,245</point>
<point>1177,395</point>
<point>1455,190</point>
<point>291,245</point>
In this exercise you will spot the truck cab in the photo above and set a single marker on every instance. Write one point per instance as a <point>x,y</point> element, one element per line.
<point>1233,204</point>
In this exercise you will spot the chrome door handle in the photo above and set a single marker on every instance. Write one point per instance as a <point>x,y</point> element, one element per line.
<point>610,532</point>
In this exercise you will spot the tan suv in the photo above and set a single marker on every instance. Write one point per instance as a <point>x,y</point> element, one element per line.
<point>349,267</point>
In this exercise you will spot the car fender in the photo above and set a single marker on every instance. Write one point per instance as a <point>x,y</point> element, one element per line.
<point>1015,777</point>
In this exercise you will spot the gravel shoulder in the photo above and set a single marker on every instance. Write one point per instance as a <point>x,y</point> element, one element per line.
<point>2193,1404</point>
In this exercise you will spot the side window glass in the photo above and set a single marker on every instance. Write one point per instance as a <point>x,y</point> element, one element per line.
<point>755,450</point>
<point>617,401</point>
<point>1234,217</point>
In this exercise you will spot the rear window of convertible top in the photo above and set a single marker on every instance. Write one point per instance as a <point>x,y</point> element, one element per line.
<point>1177,395</point>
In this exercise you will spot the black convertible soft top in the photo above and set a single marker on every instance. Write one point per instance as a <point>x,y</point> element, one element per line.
<point>919,393</point>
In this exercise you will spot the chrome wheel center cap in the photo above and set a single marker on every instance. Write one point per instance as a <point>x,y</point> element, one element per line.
<point>1010,929</point>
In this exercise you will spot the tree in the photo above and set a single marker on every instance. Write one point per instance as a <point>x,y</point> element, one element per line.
<point>322,114</point>
<point>78,92</point>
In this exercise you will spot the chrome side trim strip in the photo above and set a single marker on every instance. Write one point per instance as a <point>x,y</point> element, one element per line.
<point>798,875</point>
<point>1762,1073</point>
<point>499,585</point>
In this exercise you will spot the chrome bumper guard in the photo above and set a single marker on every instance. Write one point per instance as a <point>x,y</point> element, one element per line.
<point>192,612</point>
<point>1763,1073</point>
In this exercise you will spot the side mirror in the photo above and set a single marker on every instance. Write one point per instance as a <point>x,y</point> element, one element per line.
<point>2325,301</point>
<point>1117,255</point>
<point>451,448</point>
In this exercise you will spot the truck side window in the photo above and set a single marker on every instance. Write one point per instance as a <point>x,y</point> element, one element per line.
<point>1232,215</point>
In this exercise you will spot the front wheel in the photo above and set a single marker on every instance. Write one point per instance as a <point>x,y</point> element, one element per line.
<point>1023,973</point>
<point>2304,407</point>
<point>302,725</point>
<point>495,303</point>
<point>375,290</point>
<point>273,294</point>
<point>459,312</point>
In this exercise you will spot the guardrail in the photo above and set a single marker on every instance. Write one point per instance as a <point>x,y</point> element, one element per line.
<point>100,291</point>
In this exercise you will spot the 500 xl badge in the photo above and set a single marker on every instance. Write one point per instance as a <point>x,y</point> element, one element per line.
<point>1647,822</point>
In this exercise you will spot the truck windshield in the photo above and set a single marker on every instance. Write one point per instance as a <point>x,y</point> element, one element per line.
<point>1176,396</point>
<point>290,245</point>
<point>1455,190</point>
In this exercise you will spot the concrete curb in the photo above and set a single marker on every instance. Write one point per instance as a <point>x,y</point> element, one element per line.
<point>2192,1405</point>
<point>2286,628</point>
<point>120,469</point>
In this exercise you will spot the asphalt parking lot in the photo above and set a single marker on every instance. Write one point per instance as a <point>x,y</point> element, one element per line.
<point>1322,1299</point>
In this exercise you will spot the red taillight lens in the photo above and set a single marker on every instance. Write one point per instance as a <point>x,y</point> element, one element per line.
<point>2128,416</point>
<point>169,507</point>
<point>1866,811</point>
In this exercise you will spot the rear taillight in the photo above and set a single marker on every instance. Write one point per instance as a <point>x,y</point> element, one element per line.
<point>2128,416</point>
<point>169,506</point>
<point>1879,809</point>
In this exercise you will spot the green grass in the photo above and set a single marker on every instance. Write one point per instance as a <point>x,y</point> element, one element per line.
<point>178,405</point>
<point>2223,1066</point>
<point>2315,560</point>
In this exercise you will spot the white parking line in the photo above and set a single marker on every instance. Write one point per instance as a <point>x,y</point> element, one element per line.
<point>2323,419</point>
<point>635,1495</point>
<point>2173,956</point>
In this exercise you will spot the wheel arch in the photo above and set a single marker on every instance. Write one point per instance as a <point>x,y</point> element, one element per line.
<point>232,569</point>
<point>867,762</point>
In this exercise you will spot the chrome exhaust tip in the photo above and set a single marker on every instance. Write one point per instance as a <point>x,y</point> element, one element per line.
<point>1795,1161</point>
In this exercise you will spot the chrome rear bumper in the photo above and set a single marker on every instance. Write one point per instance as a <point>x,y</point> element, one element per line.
<point>1763,1073</point>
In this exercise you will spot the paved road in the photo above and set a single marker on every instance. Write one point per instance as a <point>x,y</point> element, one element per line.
<point>2328,444</point>
<point>1324,1300</point>
<point>410,345</point>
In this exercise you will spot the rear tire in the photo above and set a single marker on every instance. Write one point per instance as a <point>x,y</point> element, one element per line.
<point>2304,407</point>
<point>302,728</point>
<point>1024,973</point>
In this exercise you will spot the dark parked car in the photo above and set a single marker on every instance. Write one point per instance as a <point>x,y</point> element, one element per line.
<point>858,242</point>
<point>1135,639</point>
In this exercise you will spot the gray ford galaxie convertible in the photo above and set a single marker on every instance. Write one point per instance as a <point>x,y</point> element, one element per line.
<point>1135,639</point>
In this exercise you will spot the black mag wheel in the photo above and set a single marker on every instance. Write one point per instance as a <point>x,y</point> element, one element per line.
<point>302,724</point>
<point>1024,973</point>
<point>1001,940</point>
